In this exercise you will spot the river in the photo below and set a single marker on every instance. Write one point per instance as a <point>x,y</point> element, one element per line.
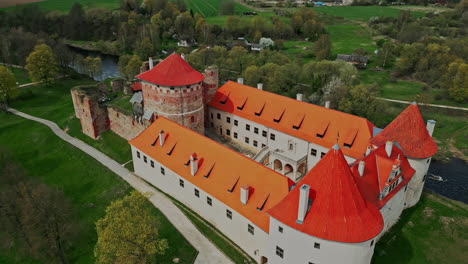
<point>453,183</point>
<point>109,63</point>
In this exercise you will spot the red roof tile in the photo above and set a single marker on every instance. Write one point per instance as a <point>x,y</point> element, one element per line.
<point>136,86</point>
<point>338,211</point>
<point>296,118</point>
<point>409,131</point>
<point>172,71</point>
<point>222,171</point>
<point>377,169</point>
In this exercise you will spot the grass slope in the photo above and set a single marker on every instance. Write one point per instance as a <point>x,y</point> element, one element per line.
<point>434,231</point>
<point>21,75</point>
<point>89,185</point>
<point>347,38</point>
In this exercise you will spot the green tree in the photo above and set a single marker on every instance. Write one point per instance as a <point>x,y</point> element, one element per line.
<point>458,90</point>
<point>8,87</point>
<point>93,66</point>
<point>227,7</point>
<point>128,233</point>
<point>252,75</point>
<point>42,64</point>
<point>323,48</point>
<point>360,100</point>
<point>145,49</point>
<point>133,67</point>
<point>184,26</point>
<point>386,53</point>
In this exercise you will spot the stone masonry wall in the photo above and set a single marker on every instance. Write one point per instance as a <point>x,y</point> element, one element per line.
<point>124,125</point>
<point>92,116</point>
<point>210,86</point>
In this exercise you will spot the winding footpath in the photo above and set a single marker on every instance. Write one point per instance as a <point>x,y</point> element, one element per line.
<point>207,252</point>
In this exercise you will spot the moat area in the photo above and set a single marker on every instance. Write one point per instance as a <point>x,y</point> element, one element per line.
<point>454,181</point>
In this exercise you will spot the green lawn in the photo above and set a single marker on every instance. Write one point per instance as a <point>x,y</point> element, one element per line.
<point>65,5</point>
<point>362,13</point>
<point>210,8</point>
<point>347,38</point>
<point>221,20</point>
<point>89,185</point>
<point>434,231</point>
<point>21,75</point>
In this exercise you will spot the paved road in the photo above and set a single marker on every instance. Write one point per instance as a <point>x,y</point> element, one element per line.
<point>432,105</point>
<point>208,253</point>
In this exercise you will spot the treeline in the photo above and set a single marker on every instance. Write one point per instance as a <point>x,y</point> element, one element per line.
<point>35,219</point>
<point>319,81</point>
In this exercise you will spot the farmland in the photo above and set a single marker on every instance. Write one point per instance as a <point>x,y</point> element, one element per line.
<point>7,3</point>
<point>65,5</point>
<point>211,8</point>
<point>362,13</point>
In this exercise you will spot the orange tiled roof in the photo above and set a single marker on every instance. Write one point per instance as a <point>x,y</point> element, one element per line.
<point>338,211</point>
<point>409,131</point>
<point>377,169</point>
<point>227,170</point>
<point>299,119</point>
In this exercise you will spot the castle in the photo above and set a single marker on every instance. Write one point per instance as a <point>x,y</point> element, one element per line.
<point>323,185</point>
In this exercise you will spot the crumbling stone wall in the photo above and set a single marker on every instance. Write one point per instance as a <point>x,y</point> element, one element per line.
<point>124,124</point>
<point>92,115</point>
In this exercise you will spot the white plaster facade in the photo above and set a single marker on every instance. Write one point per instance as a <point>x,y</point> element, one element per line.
<point>298,247</point>
<point>236,228</point>
<point>392,210</point>
<point>416,184</point>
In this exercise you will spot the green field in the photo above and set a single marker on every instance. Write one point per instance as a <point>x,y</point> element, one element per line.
<point>347,38</point>
<point>48,159</point>
<point>434,231</point>
<point>21,75</point>
<point>362,13</point>
<point>211,8</point>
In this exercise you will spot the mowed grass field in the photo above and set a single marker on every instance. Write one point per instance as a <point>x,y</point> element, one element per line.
<point>347,38</point>
<point>362,13</point>
<point>211,8</point>
<point>8,3</point>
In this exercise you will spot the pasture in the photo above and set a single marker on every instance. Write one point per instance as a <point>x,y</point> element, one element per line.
<point>8,3</point>
<point>211,8</point>
<point>347,38</point>
<point>65,5</point>
<point>362,13</point>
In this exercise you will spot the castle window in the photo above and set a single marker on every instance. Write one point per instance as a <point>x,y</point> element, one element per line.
<point>163,171</point>
<point>138,154</point>
<point>272,136</point>
<point>313,152</point>
<point>218,115</point>
<point>211,115</point>
<point>197,192</point>
<point>424,178</point>
<point>428,160</point>
<point>172,88</point>
<point>247,140</point>
<point>118,115</point>
<point>291,146</point>
<point>263,145</point>
<point>152,164</point>
<point>181,183</point>
<point>256,130</point>
<point>255,143</point>
<point>145,159</point>
<point>212,125</point>
<point>247,127</point>
<point>228,119</point>
<point>317,245</point>
<point>322,154</point>
<point>264,133</point>
<point>372,243</point>
<point>406,187</point>
<point>192,119</point>
<point>209,201</point>
<point>235,134</point>
<point>236,123</point>
<point>228,132</point>
<point>279,252</point>
<point>280,229</point>
<point>250,229</point>
<point>228,214</point>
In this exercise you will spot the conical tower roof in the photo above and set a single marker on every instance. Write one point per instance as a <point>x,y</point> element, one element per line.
<point>172,71</point>
<point>338,211</point>
<point>409,131</point>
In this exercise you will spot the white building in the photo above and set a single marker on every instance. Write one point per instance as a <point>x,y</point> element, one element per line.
<point>323,187</point>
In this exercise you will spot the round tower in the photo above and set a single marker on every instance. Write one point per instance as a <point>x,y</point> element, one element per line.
<point>210,86</point>
<point>173,89</point>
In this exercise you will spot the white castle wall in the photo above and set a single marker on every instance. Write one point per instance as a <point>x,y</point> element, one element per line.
<point>236,228</point>
<point>416,184</point>
<point>392,210</point>
<point>300,248</point>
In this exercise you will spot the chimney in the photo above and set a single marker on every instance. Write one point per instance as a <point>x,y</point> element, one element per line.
<point>240,80</point>
<point>388,148</point>
<point>327,104</point>
<point>151,64</point>
<point>260,86</point>
<point>362,164</point>
<point>193,164</point>
<point>299,96</point>
<point>244,194</point>
<point>430,127</point>
<point>182,56</point>
<point>162,137</point>
<point>303,203</point>
<point>368,150</point>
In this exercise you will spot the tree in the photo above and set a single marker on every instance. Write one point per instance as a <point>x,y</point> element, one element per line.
<point>128,233</point>
<point>8,87</point>
<point>75,23</point>
<point>133,67</point>
<point>323,48</point>
<point>93,66</point>
<point>184,26</point>
<point>227,7</point>
<point>458,90</point>
<point>360,100</point>
<point>252,75</point>
<point>42,64</point>
<point>145,49</point>
<point>385,54</point>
